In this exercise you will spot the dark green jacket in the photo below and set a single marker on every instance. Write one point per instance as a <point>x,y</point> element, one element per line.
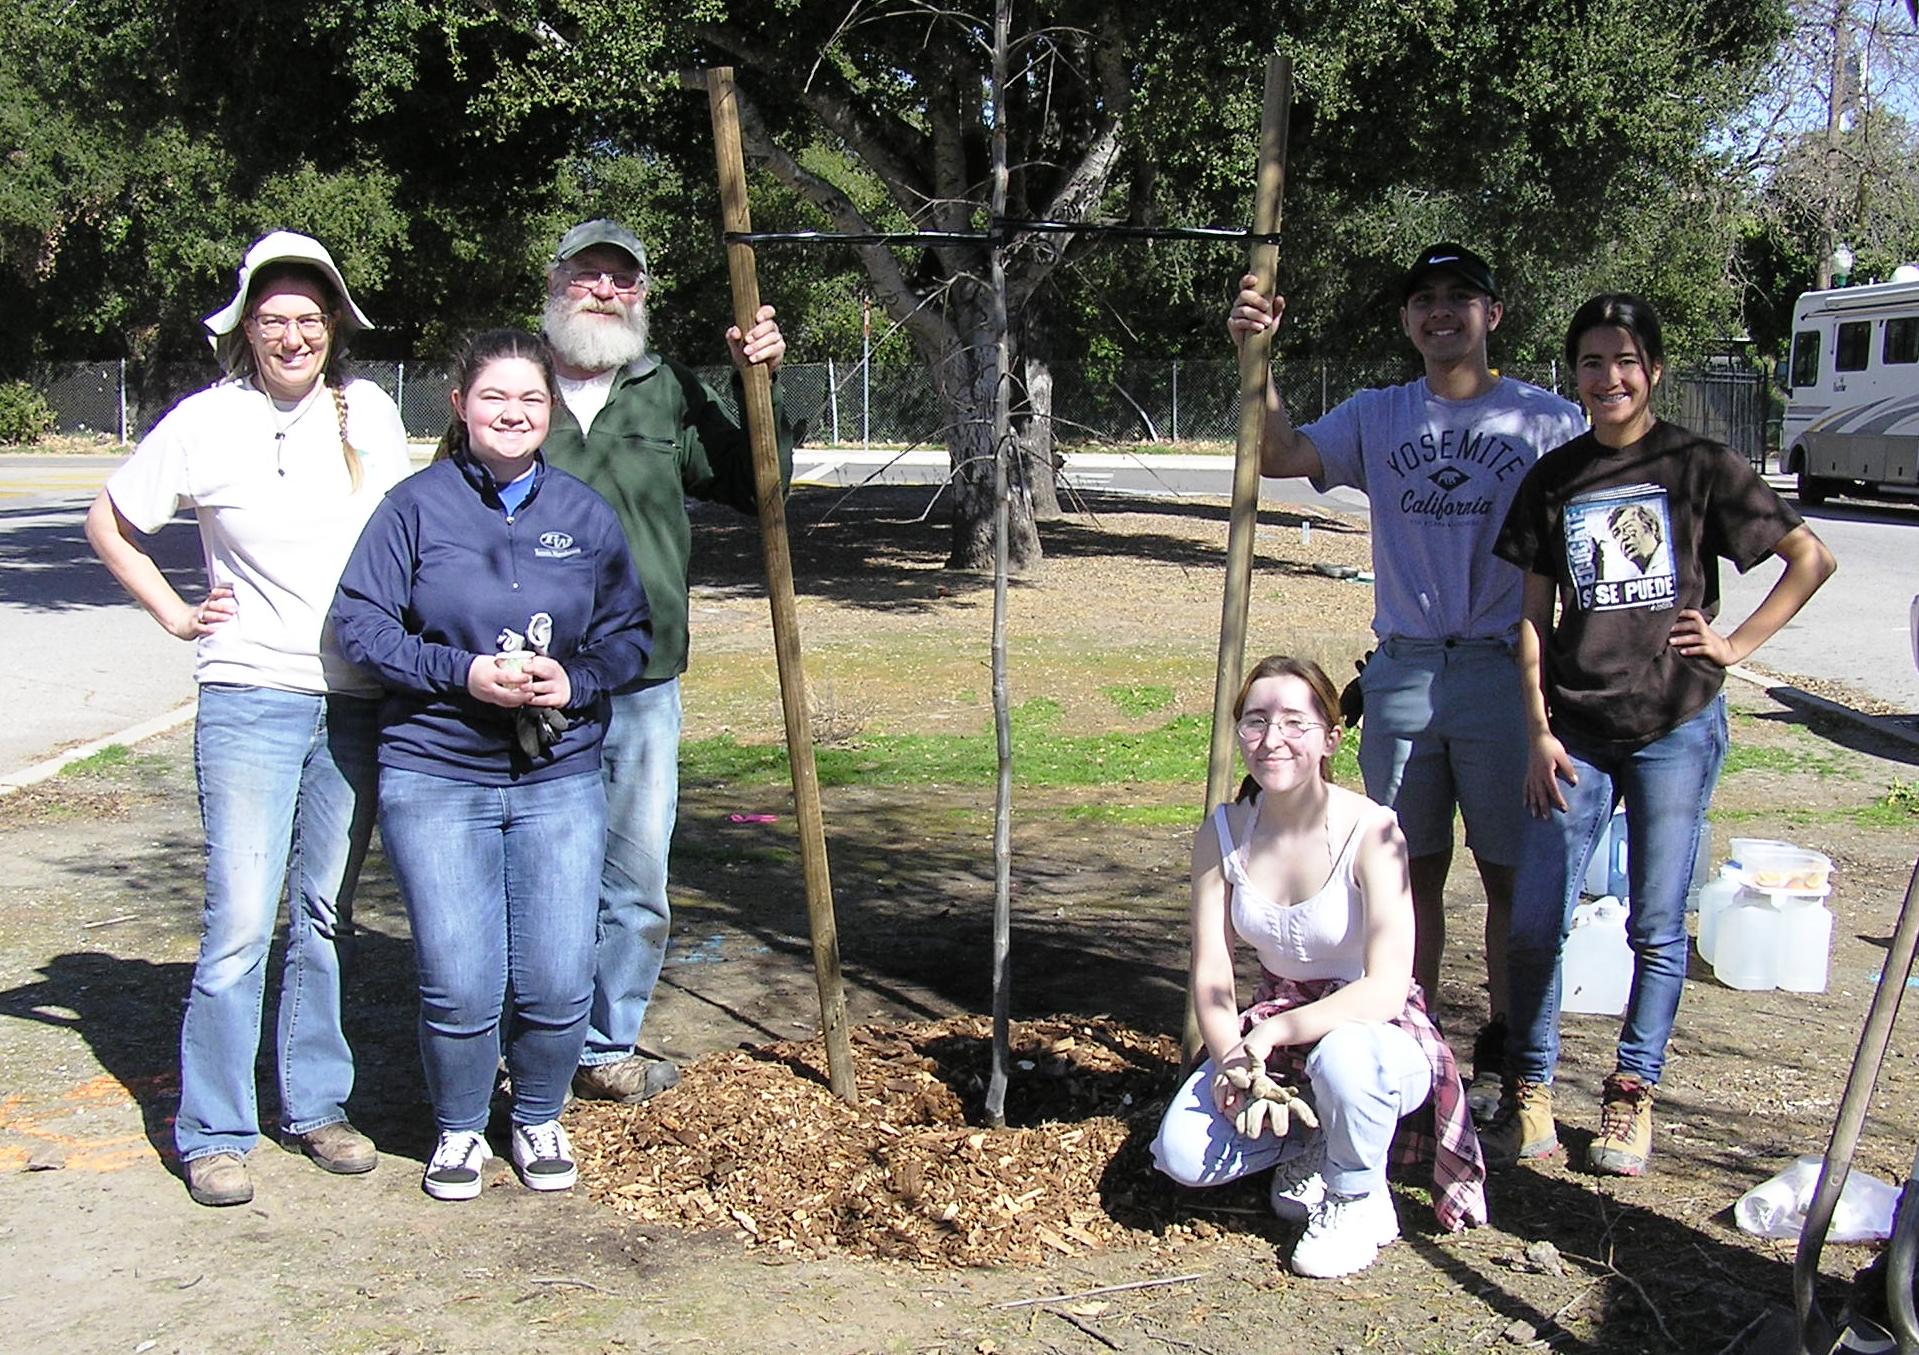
<point>664,435</point>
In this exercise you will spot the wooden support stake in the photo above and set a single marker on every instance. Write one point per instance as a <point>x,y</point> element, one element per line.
<point>1254,356</point>
<point>1254,359</point>
<point>779,588</point>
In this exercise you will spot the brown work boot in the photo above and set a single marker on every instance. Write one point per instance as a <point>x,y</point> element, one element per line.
<point>632,1080</point>
<point>1522,1127</point>
<point>339,1148</point>
<point>1625,1127</point>
<point>219,1179</point>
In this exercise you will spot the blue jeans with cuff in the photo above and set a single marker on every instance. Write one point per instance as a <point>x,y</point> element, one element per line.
<point>501,884</point>
<point>640,765</point>
<point>286,784</point>
<point>1666,786</point>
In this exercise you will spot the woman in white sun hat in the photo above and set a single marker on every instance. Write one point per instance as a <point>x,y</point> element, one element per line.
<point>281,461</point>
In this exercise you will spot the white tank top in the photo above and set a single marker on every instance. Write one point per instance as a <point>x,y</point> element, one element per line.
<point>1320,937</point>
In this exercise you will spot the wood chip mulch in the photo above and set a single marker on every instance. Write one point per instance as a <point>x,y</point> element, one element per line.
<point>752,1141</point>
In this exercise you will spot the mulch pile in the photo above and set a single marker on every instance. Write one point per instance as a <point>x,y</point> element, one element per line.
<point>753,1141</point>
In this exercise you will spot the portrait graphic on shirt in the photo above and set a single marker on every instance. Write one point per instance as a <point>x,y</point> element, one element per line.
<point>1619,549</point>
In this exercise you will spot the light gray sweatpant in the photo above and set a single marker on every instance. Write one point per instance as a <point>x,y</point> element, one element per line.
<point>1364,1077</point>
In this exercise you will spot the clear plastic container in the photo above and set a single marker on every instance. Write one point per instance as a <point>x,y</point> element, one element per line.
<point>1780,867</point>
<point>1595,968</point>
<point>1606,869</point>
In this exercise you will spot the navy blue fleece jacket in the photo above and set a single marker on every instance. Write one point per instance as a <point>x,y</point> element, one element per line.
<point>440,570</point>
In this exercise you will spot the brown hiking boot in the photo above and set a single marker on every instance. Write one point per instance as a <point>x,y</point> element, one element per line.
<point>632,1080</point>
<point>1625,1127</point>
<point>219,1179</point>
<point>1522,1127</point>
<point>339,1148</point>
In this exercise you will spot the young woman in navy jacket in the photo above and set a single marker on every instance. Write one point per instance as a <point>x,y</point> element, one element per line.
<point>492,811</point>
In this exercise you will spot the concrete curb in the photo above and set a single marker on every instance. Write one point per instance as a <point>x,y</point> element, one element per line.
<point>132,734</point>
<point>1884,726</point>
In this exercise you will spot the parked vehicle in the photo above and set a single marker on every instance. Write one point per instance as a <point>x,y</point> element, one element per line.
<point>1852,418</point>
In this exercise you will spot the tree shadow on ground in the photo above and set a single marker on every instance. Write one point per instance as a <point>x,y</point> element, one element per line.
<point>49,566</point>
<point>880,549</point>
<point>127,1008</point>
<point>1881,736</point>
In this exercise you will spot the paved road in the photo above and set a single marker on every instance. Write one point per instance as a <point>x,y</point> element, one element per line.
<point>91,663</point>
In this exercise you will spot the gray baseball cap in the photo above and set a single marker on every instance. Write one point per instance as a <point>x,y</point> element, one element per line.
<point>600,231</point>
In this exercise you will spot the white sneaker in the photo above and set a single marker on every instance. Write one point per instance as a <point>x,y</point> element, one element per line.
<point>1297,1185</point>
<point>543,1156</point>
<point>1345,1234</point>
<point>453,1172</point>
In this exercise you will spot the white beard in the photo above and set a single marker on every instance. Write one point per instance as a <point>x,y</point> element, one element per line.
<point>590,344</point>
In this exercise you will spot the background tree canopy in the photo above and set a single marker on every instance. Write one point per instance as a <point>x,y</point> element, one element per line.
<point>440,146</point>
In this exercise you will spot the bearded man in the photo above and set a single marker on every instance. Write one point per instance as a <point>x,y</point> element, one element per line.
<point>645,432</point>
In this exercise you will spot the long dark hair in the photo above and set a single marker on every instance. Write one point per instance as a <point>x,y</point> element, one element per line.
<point>1325,700</point>
<point>235,350</point>
<point>1621,310</point>
<point>481,351</point>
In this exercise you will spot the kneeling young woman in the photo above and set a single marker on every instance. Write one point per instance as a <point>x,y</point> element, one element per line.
<point>493,812</point>
<point>1313,877</point>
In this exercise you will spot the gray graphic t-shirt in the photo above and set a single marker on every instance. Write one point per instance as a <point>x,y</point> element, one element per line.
<point>1441,475</point>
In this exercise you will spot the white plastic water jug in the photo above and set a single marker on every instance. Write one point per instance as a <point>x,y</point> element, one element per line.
<point>1713,899</point>
<point>1606,869</point>
<point>1746,942</point>
<point>1595,968</point>
<point>1805,943</point>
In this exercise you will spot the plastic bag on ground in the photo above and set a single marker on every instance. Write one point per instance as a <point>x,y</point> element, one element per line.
<point>1777,1207</point>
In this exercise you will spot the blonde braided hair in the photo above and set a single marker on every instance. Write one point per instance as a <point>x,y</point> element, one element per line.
<point>355,476</point>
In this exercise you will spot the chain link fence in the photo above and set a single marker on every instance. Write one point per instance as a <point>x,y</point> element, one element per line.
<point>843,404</point>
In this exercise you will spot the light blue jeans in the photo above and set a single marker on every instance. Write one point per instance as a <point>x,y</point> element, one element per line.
<point>1666,786</point>
<point>640,765</point>
<point>1364,1075</point>
<point>286,785</point>
<point>500,883</point>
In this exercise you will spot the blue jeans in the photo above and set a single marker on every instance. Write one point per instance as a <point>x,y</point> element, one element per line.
<point>640,764</point>
<point>500,884</point>
<point>286,785</point>
<point>1666,786</point>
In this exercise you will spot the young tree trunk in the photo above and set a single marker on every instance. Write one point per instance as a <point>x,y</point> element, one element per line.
<point>1039,462</point>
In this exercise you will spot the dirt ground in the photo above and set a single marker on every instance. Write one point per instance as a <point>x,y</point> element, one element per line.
<point>100,1249</point>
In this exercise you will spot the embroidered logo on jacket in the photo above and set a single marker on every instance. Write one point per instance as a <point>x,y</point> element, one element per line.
<point>555,546</point>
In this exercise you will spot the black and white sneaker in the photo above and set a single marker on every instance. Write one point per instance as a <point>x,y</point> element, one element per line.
<point>543,1156</point>
<point>453,1172</point>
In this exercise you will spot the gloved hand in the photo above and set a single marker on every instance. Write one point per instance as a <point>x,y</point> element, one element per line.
<point>1268,1103</point>
<point>1352,698</point>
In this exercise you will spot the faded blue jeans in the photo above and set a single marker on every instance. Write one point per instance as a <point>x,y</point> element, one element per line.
<point>1666,786</point>
<point>501,884</point>
<point>640,764</point>
<point>286,785</point>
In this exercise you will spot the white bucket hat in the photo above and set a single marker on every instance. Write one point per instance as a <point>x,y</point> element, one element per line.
<point>283,247</point>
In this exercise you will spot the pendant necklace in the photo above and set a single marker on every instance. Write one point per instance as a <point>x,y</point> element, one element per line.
<point>280,430</point>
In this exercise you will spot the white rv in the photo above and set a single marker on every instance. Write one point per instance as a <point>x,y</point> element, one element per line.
<point>1852,419</point>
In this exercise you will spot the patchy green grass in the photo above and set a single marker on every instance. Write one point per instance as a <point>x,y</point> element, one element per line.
<point>1135,816</point>
<point>114,757</point>
<point>1805,759</point>
<point>1898,808</point>
<point>1042,756</point>
<point>1140,700</point>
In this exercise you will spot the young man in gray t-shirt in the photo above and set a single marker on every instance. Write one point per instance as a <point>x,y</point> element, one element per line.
<point>1440,459</point>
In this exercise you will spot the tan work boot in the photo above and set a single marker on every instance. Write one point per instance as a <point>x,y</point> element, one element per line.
<point>629,1080</point>
<point>1625,1127</point>
<point>339,1148</point>
<point>219,1179</point>
<point>1522,1127</point>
